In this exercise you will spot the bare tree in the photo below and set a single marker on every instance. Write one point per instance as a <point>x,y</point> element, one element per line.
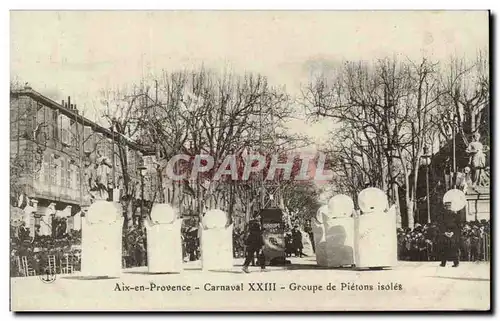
<point>124,111</point>
<point>383,111</point>
<point>201,112</point>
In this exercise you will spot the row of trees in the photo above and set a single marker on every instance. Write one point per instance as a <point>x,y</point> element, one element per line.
<point>385,113</point>
<point>389,110</point>
<point>201,112</point>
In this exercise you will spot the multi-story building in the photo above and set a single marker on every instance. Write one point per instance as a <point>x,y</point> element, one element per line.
<point>50,145</point>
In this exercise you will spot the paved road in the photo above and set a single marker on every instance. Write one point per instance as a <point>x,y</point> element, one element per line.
<point>301,286</point>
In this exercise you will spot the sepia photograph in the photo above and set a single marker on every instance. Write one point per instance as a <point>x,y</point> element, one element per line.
<point>250,161</point>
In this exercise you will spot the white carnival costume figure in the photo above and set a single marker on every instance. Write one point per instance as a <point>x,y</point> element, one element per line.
<point>164,240</point>
<point>46,220</point>
<point>216,241</point>
<point>77,221</point>
<point>318,229</point>
<point>307,248</point>
<point>28,215</point>
<point>339,231</point>
<point>376,231</point>
<point>456,200</point>
<point>102,240</point>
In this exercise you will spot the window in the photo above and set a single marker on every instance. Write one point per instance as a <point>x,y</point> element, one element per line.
<point>55,128</point>
<point>52,170</point>
<point>65,137</point>
<point>62,179</point>
<point>65,126</point>
<point>40,121</point>
<point>87,139</point>
<point>45,174</point>
<point>68,174</point>
<point>74,135</point>
<point>59,171</point>
<point>48,128</point>
<point>77,178</point>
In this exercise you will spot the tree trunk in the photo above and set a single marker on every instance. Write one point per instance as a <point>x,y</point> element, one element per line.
<point>395,193</point>
<point>409,205</point>
<point>130,221</point>
<point>413,191</point>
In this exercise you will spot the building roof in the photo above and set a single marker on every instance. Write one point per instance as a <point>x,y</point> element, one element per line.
<point>73,114</point>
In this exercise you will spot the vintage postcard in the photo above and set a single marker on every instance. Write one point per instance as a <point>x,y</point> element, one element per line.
<point>250,161</point>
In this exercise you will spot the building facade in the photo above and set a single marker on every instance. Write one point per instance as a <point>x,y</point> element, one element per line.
<point>52,144</point>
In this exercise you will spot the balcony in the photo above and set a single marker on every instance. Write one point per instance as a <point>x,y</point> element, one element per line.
<point>58,193</point>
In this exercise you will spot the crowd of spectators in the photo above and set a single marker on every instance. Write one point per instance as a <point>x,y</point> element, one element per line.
<point>422,243</point>
<point>419,244</point>
<point>65,250</point>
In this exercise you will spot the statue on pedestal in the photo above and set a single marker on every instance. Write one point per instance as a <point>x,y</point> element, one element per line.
<point>477,159</point>
<point>98,177</point>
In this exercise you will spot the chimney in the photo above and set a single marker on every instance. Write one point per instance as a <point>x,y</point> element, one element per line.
<point>62,103</point>
<point>69,101</point>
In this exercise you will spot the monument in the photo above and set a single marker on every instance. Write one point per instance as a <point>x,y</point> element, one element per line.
<point>99,178</point>
<point>477,158</point>
<point>478,195</point>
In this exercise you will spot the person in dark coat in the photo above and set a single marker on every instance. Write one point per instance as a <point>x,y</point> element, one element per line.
<point>255,244</point>
<point>297,241</point>
<point>449,237</point>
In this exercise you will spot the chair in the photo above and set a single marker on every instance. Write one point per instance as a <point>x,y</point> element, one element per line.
<point>52,263</point>
<point>20,268</point>
<point>28,271</point>
<point>67,264</point>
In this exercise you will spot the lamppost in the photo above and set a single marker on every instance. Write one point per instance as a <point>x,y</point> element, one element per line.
<point>142,172</point>
<point>426,161</point>
<point>454,126</point>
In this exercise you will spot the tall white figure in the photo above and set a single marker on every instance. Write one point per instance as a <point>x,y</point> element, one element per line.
<point>46,220</point>
<point>102,240</point>
<point>339,232</point>
<point>164,240</point>
<point>318,229</point>
<point>77,221</point>
<point>216,241</point>
<point>28,215</point>
<point>376,230</point>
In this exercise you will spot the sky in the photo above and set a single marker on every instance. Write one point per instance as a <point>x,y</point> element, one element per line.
<point>81,53</point>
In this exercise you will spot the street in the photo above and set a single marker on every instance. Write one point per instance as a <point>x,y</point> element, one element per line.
<point>301,286</point>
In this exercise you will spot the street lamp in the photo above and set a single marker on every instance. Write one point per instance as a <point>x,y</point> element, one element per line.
<point>426,161</point>
<point>454,127</point>
<point>142,172</point>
